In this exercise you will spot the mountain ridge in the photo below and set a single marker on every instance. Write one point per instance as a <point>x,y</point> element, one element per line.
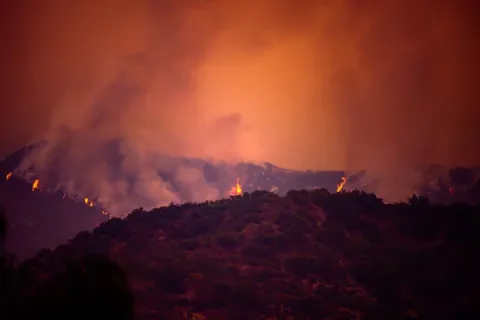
<point>307,255</point>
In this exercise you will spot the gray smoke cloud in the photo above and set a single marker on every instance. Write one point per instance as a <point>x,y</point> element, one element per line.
<point>386,86</point>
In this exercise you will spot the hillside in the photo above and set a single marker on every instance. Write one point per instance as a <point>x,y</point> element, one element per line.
<point>308,255</point>
<point>39,220</point>
<point>46,219</point>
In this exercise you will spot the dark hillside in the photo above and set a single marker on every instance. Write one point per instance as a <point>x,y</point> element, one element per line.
<point>39,220</point>
<point>46,219</point>
<point>308,255</point>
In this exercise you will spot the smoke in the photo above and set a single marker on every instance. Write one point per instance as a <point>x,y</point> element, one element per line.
<point>385,86</point>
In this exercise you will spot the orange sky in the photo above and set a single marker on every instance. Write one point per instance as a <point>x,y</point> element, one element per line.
<point>381,85</point>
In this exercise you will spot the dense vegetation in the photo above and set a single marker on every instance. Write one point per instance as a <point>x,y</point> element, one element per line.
<point>308,255</point>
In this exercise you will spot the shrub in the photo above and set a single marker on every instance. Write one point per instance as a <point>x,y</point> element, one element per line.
<point>191,244</point>
<point>179,233</point>
<point>274,241</point>
<point>259,254</point>
<point>299,266</point>
<point>285,220</point>
<point>332,234</point>
<point>170,280</point>
<point>228,240</point>
<point>252,218</point>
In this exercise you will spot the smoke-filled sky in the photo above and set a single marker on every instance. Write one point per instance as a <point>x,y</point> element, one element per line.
<point>382,85</point>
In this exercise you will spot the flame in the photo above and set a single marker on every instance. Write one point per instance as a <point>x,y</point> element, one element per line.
<point>342,184</point>
<point>237,189</point>
<point>35,184</point>
<point>88,202</point>
<point>9,175</point>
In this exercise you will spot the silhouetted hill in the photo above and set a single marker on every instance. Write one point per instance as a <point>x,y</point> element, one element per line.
<point>45,219</point>
<point>308,255</point>
<point>39,220</point>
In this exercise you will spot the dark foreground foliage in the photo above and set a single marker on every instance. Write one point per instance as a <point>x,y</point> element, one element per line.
<point>308,255</point>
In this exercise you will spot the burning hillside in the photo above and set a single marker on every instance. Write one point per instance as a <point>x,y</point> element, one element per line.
<point>37,187</point>
<point>167,179</point>
<point>189,180</point>
<point>42,219</point>
<point>179,179</point>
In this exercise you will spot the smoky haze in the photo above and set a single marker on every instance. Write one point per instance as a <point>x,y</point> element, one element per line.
<point>384,86</point>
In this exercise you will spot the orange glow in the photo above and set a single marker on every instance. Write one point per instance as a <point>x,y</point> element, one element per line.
<point>35,184</point>
<point>341,184</point>
<point>252,81</point>
<point>9,175</point>
<point>237,189</point>
<point>88,202</point>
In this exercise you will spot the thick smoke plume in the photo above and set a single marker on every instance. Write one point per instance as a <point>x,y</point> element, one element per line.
<point>385,86</point>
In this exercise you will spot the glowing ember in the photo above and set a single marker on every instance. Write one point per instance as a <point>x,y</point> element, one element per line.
<point>342,184</point>
<point>88,202</point>
<point>237,189</point>
<point>35,184</point>
<point>274,189</point>
<point>9,175</point>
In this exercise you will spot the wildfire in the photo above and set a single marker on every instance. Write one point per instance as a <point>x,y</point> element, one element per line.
<point>341,184</point>
<point>237,189</point>
<point>88,202</point>
<point>35,184</point>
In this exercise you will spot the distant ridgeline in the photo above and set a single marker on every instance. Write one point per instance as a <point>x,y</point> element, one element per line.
<point>220,176</point>
<point>440,184</point>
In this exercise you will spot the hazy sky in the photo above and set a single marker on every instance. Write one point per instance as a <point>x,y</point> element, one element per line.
<point>304,84</point>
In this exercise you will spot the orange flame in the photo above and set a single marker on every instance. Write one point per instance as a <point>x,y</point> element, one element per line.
<point>237,189</point>
<point>88,202</point>
<point>35,184</point>
<point>342,184</point>
<point>9,175</point>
